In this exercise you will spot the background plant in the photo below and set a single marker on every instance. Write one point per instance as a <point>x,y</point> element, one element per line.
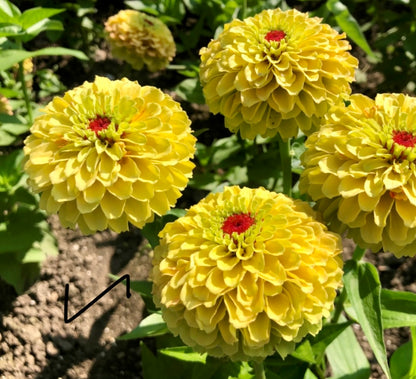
<point>25,237</point>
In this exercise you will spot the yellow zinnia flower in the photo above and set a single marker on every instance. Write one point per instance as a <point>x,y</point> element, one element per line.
<point>109,153</point>
<point>245,273</point>
<point>140,40</point>
<point>361,171</point>
<point>275,72</point>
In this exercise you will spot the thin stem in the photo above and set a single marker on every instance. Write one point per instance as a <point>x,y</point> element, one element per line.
<point>318,371</point>
<point>176,67</point>
<point>21,76</point>
<point>259,372</point>
<point>339,306</point>
<point>358,253</point>
<point>286,162</point>
<point>244,10</point>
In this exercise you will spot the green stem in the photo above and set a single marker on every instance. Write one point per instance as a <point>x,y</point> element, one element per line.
<point>21,76</point>
<point>358,253</point>
<point>339,306</point>
<point>176,67</point>
<point>259,372</point>
<point>286,162</point>
<point>318,371</point>
<point>244,9</point>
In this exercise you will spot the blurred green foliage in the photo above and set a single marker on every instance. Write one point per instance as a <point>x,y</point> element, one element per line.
<point>25,239</point>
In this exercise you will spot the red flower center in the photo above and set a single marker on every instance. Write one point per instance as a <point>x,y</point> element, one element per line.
<point>275,35</point>
<point>404,138</point>
<point>237,223</point>
<point>99,123</point>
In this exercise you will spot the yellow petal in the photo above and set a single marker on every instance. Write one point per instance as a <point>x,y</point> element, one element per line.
<point>407,212</point>
<point>94,193</point>
<point>111,206</point>
<point>259,330</point>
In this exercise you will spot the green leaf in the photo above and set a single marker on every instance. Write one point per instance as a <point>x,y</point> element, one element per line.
<point>288,368</point>
<point>6,139</point>
<point>48,245</point>
<point>363,288</point>
<point>184,353</point>
<point>412,371</point>
<point>34,15</point>
<point>152,368</point>
<point>153,325</point>
<point>309,375</point>
<point>34,255</point>
<point>144,289</point>
<point>398,308</point>
<point>349,24</point>
<point>24,227</point>
<point>8,11</point>
<point>190,90</point>
<point>156,366</point>
<point>328,334</point>
<point>224,148</point>
<point>11,169</point>
<point>347,365</point>
<point>15,129</point>
<point>10,57</point>
<point>23,195</point>
<point>20,276</point>
<point>10,30</point>
<point>237,175</point>
<point>206,181</point>
<point>41,26</point>
<point>304,352</point>
<point>401,360</point>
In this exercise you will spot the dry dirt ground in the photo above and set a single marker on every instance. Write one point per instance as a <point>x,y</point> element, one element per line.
<point>35,342</point>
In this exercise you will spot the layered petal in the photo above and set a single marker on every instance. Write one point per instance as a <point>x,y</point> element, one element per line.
<point>276,72</point>
<point>140,39</point>
<point>245,273</point>
<point>360,168</point>
<point>109,153</point>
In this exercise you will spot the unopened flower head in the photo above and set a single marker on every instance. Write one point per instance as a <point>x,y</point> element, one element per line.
<point>276,72</point>
<point>109,153</point>
<point>5,107</point>
<point>360,168</point>
<point>245,273</point>
<point>140,40</point>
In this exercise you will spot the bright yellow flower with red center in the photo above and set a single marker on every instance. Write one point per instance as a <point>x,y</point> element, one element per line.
<point>360,168</point>
<point>245,273</point>
<point>276,72</point>
<point>109,153</point>
<point>140,40</point>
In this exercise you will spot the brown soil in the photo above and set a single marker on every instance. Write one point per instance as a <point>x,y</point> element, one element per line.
<point>36,343</point>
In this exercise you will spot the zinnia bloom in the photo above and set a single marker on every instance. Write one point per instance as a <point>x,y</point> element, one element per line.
<point>361,171</point>
<point>140,40</point>
<point>109,153</point>
<point>276,72</point>
<point>245,273</point>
